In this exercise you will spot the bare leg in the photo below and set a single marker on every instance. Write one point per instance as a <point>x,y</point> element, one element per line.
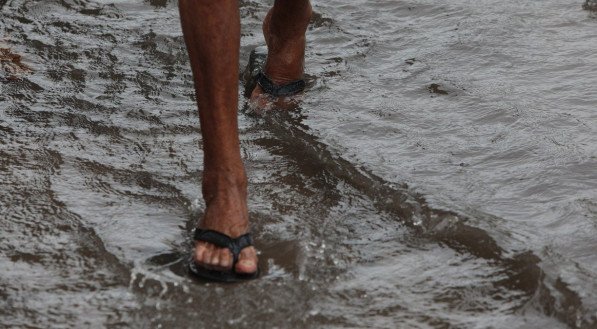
<point>284,30</point>
<point>211,31</point>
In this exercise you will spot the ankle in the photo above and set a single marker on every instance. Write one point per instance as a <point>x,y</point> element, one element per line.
<point>225,196</point>
<point>286,42</point>
<point>224,182</point>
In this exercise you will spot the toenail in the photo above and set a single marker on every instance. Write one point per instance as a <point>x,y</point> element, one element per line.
<point>247,262</point>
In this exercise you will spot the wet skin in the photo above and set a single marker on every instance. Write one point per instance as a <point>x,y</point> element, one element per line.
<point>211,31</point>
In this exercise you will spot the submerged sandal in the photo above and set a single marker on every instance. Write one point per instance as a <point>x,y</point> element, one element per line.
<point>253,75</point>
<point>223,241</point>
<point>273,89</point>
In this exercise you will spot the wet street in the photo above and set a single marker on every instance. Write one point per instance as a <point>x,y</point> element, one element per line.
<point>439,173</point>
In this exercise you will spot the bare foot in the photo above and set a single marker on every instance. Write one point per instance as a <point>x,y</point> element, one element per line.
<point>226,213</point>
<point>285,58</point>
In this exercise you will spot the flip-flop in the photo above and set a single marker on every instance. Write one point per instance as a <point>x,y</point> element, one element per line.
<point>223,241</point>
<point>253,75</point>
<point>276,90</point>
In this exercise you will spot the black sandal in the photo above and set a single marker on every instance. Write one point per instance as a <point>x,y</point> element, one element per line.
<point>275,90</point>
<point>223,241</point>
<point>253,75</point>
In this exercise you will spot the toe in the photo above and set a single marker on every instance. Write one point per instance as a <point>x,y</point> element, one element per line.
<point>212,257</point>
<point>207,254</point>
<point>215,258</point>
<point>200,252</point>
<point>259,100</point>
<point>247,261</point>
<point>225,259</point>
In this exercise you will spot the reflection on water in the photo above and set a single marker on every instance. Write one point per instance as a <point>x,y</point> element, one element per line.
<point>439,172</point>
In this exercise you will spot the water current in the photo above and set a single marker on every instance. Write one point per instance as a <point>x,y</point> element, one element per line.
<point>439,173</point>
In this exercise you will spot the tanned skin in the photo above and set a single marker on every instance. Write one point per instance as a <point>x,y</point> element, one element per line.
<point>211,30</point>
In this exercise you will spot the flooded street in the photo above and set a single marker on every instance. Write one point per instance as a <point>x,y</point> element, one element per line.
<point>440,172</point>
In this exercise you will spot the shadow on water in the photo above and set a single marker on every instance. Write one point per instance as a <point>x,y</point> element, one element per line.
<point>292,141</point>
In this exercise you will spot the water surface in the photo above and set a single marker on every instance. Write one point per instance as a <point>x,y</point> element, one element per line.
<point>440,172</point>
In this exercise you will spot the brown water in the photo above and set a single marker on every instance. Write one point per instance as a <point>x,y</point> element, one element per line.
<point>441,172</point>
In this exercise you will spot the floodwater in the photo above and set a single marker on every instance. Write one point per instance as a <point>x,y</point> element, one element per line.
<point>439,173</point>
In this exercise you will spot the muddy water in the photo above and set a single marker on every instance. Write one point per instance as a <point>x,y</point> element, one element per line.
<point>440,172</point>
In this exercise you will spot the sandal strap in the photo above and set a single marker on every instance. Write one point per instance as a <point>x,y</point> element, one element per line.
<point>235,245</point>
<point>287,89</point>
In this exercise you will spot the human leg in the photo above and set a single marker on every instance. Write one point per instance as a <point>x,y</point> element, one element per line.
<point>211,30</point>
<point>284,30</point>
